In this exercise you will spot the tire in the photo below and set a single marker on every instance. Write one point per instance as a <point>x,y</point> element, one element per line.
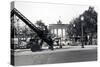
<point>51,47</point>
<point>35,48</point>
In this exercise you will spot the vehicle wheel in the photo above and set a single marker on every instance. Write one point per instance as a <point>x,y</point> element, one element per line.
<point>51,48</point>
<point>35,48</point>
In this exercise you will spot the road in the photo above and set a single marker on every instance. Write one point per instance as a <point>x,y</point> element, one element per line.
<point>56,56</point>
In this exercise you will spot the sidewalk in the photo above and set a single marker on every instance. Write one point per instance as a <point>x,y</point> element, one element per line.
<point>86,46</point>
<point>64,48</point>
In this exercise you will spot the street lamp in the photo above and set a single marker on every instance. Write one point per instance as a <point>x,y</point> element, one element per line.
<point>82,19</point>
<point>74,33</point>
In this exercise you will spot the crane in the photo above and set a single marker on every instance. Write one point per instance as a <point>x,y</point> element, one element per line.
<point>39,32</point>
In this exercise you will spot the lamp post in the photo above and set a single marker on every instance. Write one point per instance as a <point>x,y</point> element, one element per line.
<point>82,19</point>
<point>74,31</point>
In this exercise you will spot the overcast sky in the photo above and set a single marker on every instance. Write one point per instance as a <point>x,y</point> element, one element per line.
<point>50,13</point>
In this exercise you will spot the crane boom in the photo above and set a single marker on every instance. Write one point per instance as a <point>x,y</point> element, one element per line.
<point>39,32</point>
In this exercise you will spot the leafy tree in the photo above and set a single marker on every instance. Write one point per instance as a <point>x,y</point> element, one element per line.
<point>40,24</point>
<point>89,24</point>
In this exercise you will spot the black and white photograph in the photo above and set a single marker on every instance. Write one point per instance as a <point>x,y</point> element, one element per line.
<point>48,33</point>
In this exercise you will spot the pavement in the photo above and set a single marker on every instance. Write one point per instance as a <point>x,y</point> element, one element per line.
<point>66,54</point>
<point>56,49</point>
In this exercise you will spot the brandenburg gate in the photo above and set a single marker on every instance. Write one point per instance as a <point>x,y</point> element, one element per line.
<point>59,29</point>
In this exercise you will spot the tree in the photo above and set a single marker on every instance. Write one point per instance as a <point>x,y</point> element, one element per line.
<point>90,20</point>
<point>89,24</point>
<point>40,24</point>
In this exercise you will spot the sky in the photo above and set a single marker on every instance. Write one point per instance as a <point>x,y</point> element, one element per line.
<point>50,13</point>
